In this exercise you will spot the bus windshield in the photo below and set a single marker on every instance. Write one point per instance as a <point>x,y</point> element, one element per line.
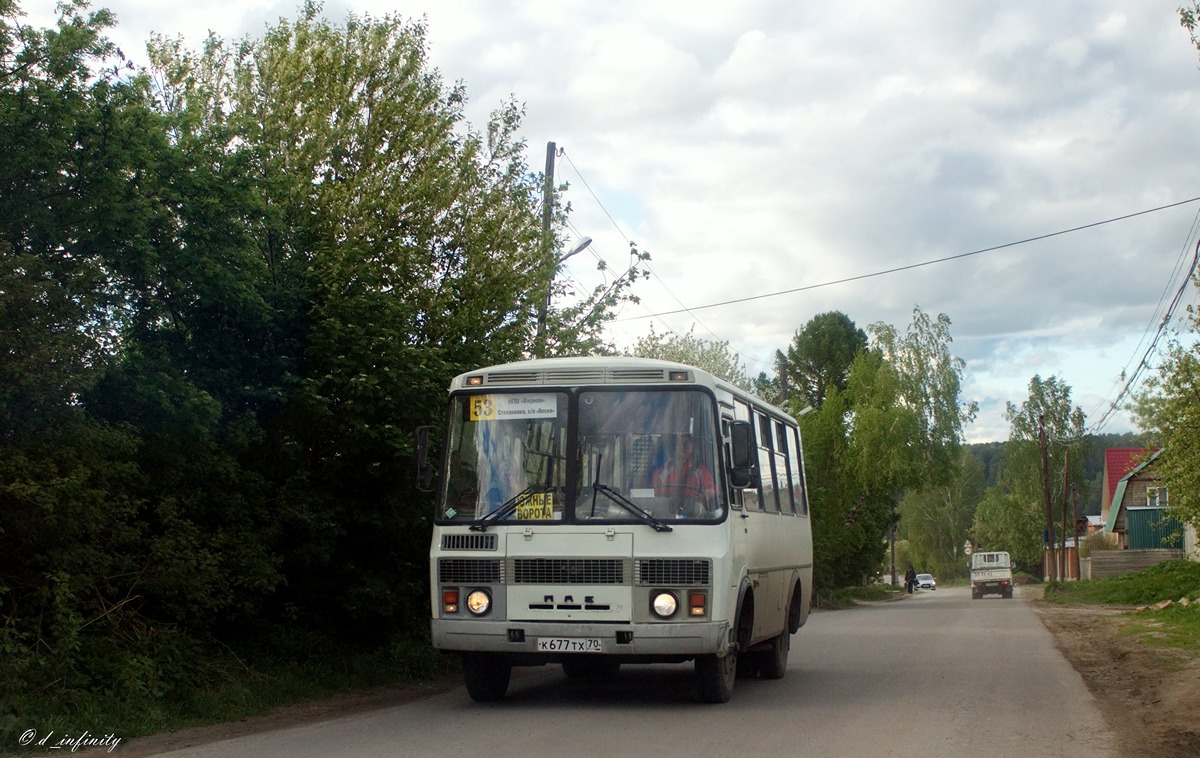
<point>640,455</point>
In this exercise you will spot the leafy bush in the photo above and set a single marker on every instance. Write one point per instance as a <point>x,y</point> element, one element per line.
<point>1093,542</point>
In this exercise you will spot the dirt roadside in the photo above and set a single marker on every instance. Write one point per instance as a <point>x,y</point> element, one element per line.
<point>1150,695</point>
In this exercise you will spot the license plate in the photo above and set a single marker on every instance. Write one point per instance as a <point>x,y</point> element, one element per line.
<point>569,645</point>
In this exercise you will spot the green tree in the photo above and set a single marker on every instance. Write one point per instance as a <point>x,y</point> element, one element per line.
<point>713,356</point>
<point>57,305</point>
<point>83,565</point>
<point>1008,522</point>
<point>838,543</point>
<point>1169,408</point>
<point>892,430</point>
<point>937,520</point>
<point>930,386</point>
<point>394,247</point>
<point>1047,408</point>
<point>819,358</point>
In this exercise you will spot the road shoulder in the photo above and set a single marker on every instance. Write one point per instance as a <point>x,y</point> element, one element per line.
<point>1148,694</point>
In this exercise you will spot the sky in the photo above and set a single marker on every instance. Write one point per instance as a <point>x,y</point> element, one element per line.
<point>1025,168</point>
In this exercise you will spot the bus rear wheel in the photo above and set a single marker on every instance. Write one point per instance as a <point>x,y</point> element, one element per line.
<point>773,662</point>
<point>487,676</point>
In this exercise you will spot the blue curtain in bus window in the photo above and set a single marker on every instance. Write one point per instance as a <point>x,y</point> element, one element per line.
<point>501,473</point>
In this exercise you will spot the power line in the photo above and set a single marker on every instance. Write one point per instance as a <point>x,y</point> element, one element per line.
<point>1125,390</point>
<point>661,281</point>
<point>1155,324</point>
<point>915,265</point>
<point>1144,363</point>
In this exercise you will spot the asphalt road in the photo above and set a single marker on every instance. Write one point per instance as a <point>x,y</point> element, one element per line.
<point>934,674</point>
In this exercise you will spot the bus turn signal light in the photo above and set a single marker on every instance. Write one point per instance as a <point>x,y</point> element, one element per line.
<point>449,601</point>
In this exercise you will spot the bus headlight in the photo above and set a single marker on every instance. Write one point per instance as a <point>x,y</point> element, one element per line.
<point>664,605</point>
<point>479,602</point>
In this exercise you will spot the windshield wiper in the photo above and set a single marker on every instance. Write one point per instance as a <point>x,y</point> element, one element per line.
<point>637,512</point>
<point>509,507</point>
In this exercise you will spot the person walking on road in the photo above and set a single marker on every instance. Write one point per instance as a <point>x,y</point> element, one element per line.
<point>910,578</point>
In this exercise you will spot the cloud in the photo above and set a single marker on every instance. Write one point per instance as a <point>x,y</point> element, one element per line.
<point>771,145</point>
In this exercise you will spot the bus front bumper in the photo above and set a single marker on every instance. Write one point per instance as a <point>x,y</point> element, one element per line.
<point>633,640</point>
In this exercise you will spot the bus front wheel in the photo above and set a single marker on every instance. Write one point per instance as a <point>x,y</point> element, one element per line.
<point>486,676</point>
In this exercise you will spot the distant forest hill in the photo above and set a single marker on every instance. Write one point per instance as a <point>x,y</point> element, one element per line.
<point>991,457</point>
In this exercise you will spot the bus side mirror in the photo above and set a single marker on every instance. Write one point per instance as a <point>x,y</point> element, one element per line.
<point>421,454</point>
<point>741,464</point>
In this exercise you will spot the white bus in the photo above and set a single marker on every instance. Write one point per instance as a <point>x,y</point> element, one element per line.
<point>599,511</point>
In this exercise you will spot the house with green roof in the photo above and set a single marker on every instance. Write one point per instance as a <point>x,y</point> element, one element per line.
<point>1136,518</point>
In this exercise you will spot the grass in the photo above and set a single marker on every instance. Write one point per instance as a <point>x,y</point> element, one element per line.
<point>1166,581</point>
<point>848,597</point>
<point>1177,626</point>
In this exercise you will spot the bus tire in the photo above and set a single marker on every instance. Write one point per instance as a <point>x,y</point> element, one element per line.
<point>486,676</point>
<point>795,609</point>
<point>772,663</point>
<point>716,675</point>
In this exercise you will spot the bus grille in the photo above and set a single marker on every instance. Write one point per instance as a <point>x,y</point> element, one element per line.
<point>672,572</point>
<point>639,375</point>
<point>568,571</point>
<point>513,377</point>
<point>575,376</point>
<point>468,542</point>
<point>467,571</point>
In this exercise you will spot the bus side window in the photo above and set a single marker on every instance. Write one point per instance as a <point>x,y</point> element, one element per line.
<point>766,465</point>
<point>783,465</point>
<point>751,496</point>
<point>795,460</point>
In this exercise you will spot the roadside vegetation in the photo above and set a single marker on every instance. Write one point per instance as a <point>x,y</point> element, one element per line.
<point>1171,580</point>
<point>235,689</point>
<point>1176,626</point>
<point>848,597</point>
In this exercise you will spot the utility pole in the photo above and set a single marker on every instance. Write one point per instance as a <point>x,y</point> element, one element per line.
<point>1049,557</point>
<point>892,540</point>
<point>1075,525</point>
<point>547,249</point>
<point>1062,569</point>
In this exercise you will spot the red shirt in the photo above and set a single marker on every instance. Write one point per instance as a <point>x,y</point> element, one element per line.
<point>689,476</point>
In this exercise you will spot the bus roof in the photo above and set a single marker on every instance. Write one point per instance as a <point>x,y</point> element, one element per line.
<point>594,370</point>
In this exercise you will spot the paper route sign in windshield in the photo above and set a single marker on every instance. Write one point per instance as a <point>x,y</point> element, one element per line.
<point>510,407</point>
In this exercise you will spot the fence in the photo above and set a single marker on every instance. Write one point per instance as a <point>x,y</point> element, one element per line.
<point>1106,563</point>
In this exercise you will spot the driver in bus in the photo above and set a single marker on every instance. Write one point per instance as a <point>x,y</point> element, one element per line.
<point>684,473</point>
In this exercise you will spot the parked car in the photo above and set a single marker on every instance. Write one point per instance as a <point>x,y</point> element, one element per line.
<point>926,582</point>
